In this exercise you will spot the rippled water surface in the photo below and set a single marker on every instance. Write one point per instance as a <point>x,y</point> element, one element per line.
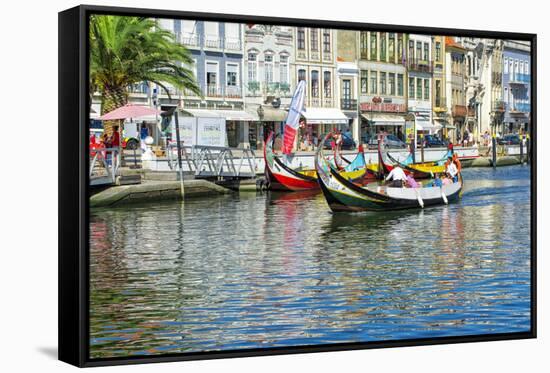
<point>267,270</point>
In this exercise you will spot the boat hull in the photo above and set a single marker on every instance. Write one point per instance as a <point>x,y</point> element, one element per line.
<point>344,195</point>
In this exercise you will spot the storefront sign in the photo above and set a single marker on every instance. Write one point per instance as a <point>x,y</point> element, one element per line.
<point>187,130</point>
<point>210,131</point>
<point>383,107</point>
<point>201,131</point>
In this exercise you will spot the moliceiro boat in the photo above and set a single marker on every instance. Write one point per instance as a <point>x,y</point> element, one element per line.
<point>421,169</point>
<point>283,177</point>
<point>345,195</point>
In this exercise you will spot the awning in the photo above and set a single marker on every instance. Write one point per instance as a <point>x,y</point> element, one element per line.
<point>226,114</point>
<point>385,119</point>
<point>325,116</point>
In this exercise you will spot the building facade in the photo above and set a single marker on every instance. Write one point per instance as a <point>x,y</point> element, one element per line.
<point>419,82</point>
<point>516,84</point>
<point>455,80</point>
<point>440,111</point>
<point>382,77</point>
<point>315,62</point>
<point>268,82</point>
<point>347,82</point>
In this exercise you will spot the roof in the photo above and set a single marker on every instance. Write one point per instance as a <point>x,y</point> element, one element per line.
<point>450,42</point>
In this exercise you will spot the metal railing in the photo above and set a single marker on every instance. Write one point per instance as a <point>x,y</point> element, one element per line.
<point>421,65</point>
<point>104,165</point>
<point>348,104</point>
<point>214,161</point>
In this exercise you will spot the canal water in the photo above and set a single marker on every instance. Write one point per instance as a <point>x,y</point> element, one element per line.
<point>268,270</point>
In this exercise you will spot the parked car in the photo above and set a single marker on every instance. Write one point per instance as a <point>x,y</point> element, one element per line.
<point>390,141</point>
<point>431,141</point>
<point>512,139</point>
<point>347,143</point>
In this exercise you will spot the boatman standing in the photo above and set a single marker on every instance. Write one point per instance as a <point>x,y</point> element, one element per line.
<point>398,177</point>
<point>451,170</point>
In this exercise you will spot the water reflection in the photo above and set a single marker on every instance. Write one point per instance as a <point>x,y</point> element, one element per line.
<point>246,271</point>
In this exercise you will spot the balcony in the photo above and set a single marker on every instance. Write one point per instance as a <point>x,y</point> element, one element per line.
<point>348,104</point>
<point>233,92</point>
<point>187,39</point>
<point>420,65</point>
<point>499,106</point>
<point>140,88</point>
<point>519,79</point>
<point>440,104</point>
<point>459,111</point>
<point>496,78</point>
<point>233,45</point>
<point>519,109</point>
<point>212,42</point>
<point>253,89</point>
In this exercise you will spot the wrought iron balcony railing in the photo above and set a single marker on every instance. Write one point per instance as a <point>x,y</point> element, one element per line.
<point>348,104</point>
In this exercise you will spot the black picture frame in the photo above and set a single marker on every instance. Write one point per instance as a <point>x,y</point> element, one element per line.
<point>73,250</point>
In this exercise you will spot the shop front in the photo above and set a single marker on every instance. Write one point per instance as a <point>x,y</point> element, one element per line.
<point>318,122</point>
<point>379,116</point>
<point>237,124</point>
<point>267,119</point>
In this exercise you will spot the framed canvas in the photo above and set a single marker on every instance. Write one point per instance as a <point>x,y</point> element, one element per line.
<point>235,186</point>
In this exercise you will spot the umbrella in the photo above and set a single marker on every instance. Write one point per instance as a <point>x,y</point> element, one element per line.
<point>129,111</point>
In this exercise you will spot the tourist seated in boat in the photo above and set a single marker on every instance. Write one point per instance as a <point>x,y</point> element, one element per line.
<point>397,176</point>
<point>412,183</point>
<point>438,182</point>
<point>451,170</point>
<point>446,180</point>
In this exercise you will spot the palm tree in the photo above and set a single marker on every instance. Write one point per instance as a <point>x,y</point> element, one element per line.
<point>129,50</point>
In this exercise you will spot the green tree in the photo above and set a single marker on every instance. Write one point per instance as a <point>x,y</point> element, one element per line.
<point>129,50</point>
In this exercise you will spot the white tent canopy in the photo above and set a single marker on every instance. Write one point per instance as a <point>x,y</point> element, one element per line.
<point>385,119</point>
<point>325,116</point>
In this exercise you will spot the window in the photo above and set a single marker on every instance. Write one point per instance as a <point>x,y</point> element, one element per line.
<point>232,35</point>
<point>382,46</point>
<point>426,89</point>
<point>391,82</point>
<point>506,97</point>
<point>301,39</point>
<point>391,47</point>
<point>521,67</point>
<point>438,93</point>
<point>411,50</point>
<point>212,77</point>
<point>252,67</point>
<point>314,37</point>
<point>438,51</point>
<point>301,74</point>
<point>527,68</point>
<point>363,44</point>
<point>373,82</point>
<point>373,45</point>
<point>400,48</point>
<point>326,40</point>
<point>211,30</point>
<point>268,68</point>
<point>505,65</point>
<point>418,55</point>
<point>327,84</point>
<point>426,55</point>
<point>411,88</point>
<point>400,85</point>
<point>188,29</point>
<point>382,83</point>
<point>283,69</point>
<point>346,91</point>
<point>315,83</point>
<point>232,75</point>
<point>364,81</point>
<point>418,89</point>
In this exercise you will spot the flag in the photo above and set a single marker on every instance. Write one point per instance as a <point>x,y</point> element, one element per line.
<point>293,118</point>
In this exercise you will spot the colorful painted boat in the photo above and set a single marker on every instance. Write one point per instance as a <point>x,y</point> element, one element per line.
<point>345,195</point>
<point>423,169</point>
<point>282,177</point>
